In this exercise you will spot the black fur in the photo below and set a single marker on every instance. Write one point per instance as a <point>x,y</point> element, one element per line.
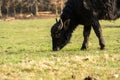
<point>87,13</point>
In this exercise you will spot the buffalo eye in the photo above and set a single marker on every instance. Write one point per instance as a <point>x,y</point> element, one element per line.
<point>56,35</point>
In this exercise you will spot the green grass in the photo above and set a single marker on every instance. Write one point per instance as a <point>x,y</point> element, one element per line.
<point>26,53</point>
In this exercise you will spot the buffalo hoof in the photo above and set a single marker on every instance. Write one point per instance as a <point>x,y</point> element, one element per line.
<point>102,48</point>
<point>83,48</point>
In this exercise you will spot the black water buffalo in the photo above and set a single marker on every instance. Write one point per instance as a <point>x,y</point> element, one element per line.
<point>87,13</point>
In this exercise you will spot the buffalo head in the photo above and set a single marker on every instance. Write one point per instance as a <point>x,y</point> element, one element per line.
<point>59,34</point>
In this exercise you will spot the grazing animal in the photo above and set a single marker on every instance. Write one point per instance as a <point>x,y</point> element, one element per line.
<point>87,13</point>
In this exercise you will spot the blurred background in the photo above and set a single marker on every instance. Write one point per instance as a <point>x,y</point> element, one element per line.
<point>30,8</point>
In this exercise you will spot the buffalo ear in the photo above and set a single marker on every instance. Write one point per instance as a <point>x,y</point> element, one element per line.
<point>66,24</point>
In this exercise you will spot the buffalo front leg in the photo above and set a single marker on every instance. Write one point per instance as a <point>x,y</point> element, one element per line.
<point>98,32</point>
<point>86,34</point>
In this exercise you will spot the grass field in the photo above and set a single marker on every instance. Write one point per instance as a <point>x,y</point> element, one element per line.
<point>26,53</point>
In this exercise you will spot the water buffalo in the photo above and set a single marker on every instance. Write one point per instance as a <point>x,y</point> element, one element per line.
<point>85,12</point>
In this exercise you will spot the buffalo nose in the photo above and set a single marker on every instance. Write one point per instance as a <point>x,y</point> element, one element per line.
<point>56,49</point>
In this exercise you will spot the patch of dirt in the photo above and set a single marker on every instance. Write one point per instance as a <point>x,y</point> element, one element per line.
<point>28,16</point>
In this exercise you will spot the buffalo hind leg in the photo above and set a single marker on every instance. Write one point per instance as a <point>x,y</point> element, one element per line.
<point>98,31</point>
<point>86,34</point>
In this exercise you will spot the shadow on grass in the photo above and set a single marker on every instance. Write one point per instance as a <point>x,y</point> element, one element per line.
<point>104,26</point>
